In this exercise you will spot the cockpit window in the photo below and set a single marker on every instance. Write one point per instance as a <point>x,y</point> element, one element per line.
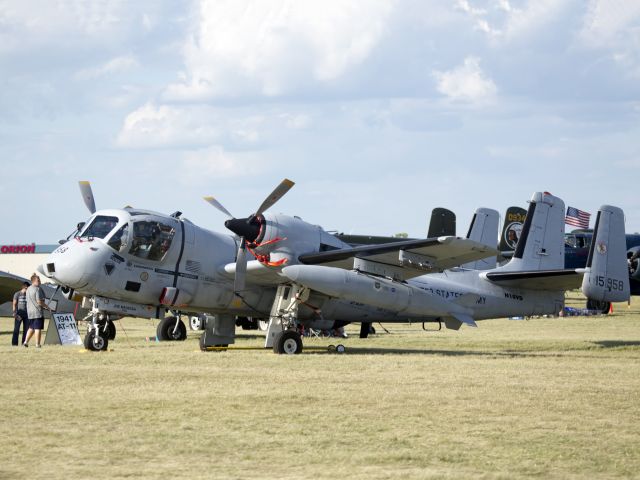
<point>118,240</point>
<point>151,240</point>
<point>100,227</point>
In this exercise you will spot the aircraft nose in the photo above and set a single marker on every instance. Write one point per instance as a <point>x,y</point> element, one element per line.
<point>71,264</point>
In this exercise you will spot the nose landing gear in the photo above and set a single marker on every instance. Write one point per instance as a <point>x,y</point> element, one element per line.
<point>99,332</point>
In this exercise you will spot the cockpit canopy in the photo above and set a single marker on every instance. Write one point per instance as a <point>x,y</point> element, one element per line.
<point>99,227</point>
<point>141,234</point>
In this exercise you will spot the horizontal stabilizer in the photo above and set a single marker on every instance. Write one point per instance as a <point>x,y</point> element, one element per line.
<point>565,279</point>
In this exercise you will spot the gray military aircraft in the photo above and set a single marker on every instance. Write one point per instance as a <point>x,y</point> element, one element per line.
<point>140,263</point>
<point>533,282</point>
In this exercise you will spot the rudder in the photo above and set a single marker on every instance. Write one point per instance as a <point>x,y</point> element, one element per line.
<point>541,246</point>
<point>607,275</point>
<point>484,229</point>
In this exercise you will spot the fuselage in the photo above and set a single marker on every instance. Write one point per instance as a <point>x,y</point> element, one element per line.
<point>134,256</point>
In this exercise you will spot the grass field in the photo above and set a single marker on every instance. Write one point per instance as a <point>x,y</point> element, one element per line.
<point>546,398</point>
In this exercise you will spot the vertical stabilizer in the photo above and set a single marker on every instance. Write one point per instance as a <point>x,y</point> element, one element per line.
<point>512,228</point>
<point>541,245</point>
<point>442,223</point>
<point>607,275</point>
<point>484,229</point>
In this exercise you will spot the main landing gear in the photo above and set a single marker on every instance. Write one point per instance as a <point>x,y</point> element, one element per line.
<point>171,329</point>
<point>282,334</point>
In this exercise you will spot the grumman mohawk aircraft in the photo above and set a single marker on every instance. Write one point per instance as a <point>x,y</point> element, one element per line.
<point>141,263</point>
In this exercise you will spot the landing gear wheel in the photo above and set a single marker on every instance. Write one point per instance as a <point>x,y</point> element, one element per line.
<point>95,342</point>
<point>196,323</point>
<point>288,342</point>
<point>340,348</point>
<point>110,331</point>
<point>165,331</point>
<point>365,329</point>
<point>600,305</point>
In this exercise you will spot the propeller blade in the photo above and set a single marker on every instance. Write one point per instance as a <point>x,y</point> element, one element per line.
<point>212,201</point>
<point>241,267</point>
<point>87,195</point>
<point>276,195</point>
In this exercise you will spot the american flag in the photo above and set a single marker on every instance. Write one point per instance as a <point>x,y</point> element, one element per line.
<point>577,218</point>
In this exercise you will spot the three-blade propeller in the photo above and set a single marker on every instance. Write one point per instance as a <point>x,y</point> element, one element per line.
<point>248,228</point>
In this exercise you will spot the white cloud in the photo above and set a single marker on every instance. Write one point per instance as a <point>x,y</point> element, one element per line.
<point>278,47</point>
<point>466,83</point>
<point>613,26</point>
<point>116,65</point>
<point>607,20</point>
<point>502,22</point>
<point>25,25</point>
<point>201,167</point>
<point>155,126</point>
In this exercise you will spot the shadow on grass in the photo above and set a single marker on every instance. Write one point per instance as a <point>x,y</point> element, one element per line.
<point>617,343</point>
<point>415,351</point>
<point>467,353</point>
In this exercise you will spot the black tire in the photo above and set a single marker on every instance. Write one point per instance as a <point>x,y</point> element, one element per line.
<point>95,342</point>
<point>165,332</point>
<point>599,305</point>
<point>88,342</point>
<point>365,329</point>
<point>110,330</point>
<point>196,322</point>
<point>288,342</point>
<point>247,323</point>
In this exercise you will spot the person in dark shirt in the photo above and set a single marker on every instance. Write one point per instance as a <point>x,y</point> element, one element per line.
<point>20,314</point>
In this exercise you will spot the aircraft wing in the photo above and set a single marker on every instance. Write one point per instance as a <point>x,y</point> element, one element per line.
<point>565,279</point>
<point>9,284</point>
<point>407,258</point>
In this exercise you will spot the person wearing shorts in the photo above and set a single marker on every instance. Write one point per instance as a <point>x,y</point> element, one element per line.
<point>35,310</point>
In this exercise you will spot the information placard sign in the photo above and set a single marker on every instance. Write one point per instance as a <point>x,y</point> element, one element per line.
<point>63,330</point>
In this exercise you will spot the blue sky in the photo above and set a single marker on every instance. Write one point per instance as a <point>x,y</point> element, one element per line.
<point>378,110</point>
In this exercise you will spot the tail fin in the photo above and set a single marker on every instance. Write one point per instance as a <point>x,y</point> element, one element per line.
<point>512,228</point>
<point>442,223</point>
<point>484,229</point>
<point>541,245</point>
<point>607,275</point>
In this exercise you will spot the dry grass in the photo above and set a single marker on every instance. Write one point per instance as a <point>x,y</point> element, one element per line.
<point>540,398</point>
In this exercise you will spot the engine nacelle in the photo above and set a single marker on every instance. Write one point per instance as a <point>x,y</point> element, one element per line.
<point>283,239</point>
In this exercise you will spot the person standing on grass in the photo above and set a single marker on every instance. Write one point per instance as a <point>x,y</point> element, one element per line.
<point>35,310</point>
<point>20,314</point>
